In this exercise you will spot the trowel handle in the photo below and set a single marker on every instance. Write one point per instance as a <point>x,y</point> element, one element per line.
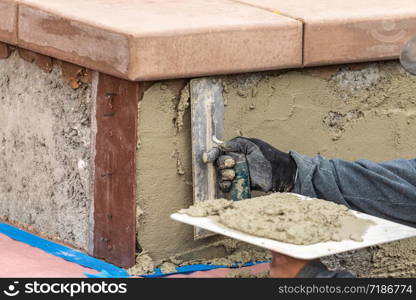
<point>241,184</point>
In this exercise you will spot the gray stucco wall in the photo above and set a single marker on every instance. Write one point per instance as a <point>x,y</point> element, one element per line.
<point>45,138</point>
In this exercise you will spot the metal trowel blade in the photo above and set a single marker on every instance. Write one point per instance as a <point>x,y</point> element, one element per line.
<point>408,56</point>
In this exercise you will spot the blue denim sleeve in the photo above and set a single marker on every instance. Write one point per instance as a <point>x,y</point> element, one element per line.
<point>386,189</point>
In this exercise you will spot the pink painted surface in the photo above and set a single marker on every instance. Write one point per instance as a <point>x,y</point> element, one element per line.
<point>21,260</point>
<point>8,18</point>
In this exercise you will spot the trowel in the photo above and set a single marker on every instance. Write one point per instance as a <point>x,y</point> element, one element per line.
<point>207,119</point>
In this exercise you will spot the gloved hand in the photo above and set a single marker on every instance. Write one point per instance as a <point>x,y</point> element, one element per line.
<point>270,169</point>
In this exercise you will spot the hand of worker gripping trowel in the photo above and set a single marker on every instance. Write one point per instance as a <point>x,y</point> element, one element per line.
<point>269,169</point>
<point>408,56</point>
<point>234,175</point>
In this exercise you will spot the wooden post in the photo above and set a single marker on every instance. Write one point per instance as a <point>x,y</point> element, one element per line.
<point>114,214</point>
<point>4,51</point>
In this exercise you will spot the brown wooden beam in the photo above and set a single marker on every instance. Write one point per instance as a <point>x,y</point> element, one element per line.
<point>4,50</point>
<point>115,170</point>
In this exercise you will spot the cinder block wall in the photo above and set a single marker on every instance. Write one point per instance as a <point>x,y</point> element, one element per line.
<point>350,112</point>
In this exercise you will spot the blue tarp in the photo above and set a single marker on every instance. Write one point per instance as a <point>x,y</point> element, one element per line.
<point>106,270</point>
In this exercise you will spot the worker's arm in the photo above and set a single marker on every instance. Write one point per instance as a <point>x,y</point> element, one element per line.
<point>385,189</point>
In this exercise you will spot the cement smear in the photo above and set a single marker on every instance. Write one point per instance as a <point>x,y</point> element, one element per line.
<point>207,208</point>
<point>45,143</point>
<point>227,252</point>
<point>285,217</point>
<point>144,265</point>
<point>236,254</point>
<point>167,267</point>
<point>238,273</point>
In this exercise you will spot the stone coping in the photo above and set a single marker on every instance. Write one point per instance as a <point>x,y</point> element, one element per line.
<point>144,40</point>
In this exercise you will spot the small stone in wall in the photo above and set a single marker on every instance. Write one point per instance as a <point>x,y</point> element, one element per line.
<point>243,93</point>
<point>75,75</point>
<point>45,63</point>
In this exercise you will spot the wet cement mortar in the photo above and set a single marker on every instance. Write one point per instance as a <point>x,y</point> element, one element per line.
<point>45,139</point>
<point>357,111</point>
<point>284,217</point>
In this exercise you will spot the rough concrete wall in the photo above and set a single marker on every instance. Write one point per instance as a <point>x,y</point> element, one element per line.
<point>44,151</point>
<point>164,177</point>
<point>396,259</point>
<point>349,112</point>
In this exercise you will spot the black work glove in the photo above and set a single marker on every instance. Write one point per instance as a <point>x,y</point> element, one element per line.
<point>270,169</point>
